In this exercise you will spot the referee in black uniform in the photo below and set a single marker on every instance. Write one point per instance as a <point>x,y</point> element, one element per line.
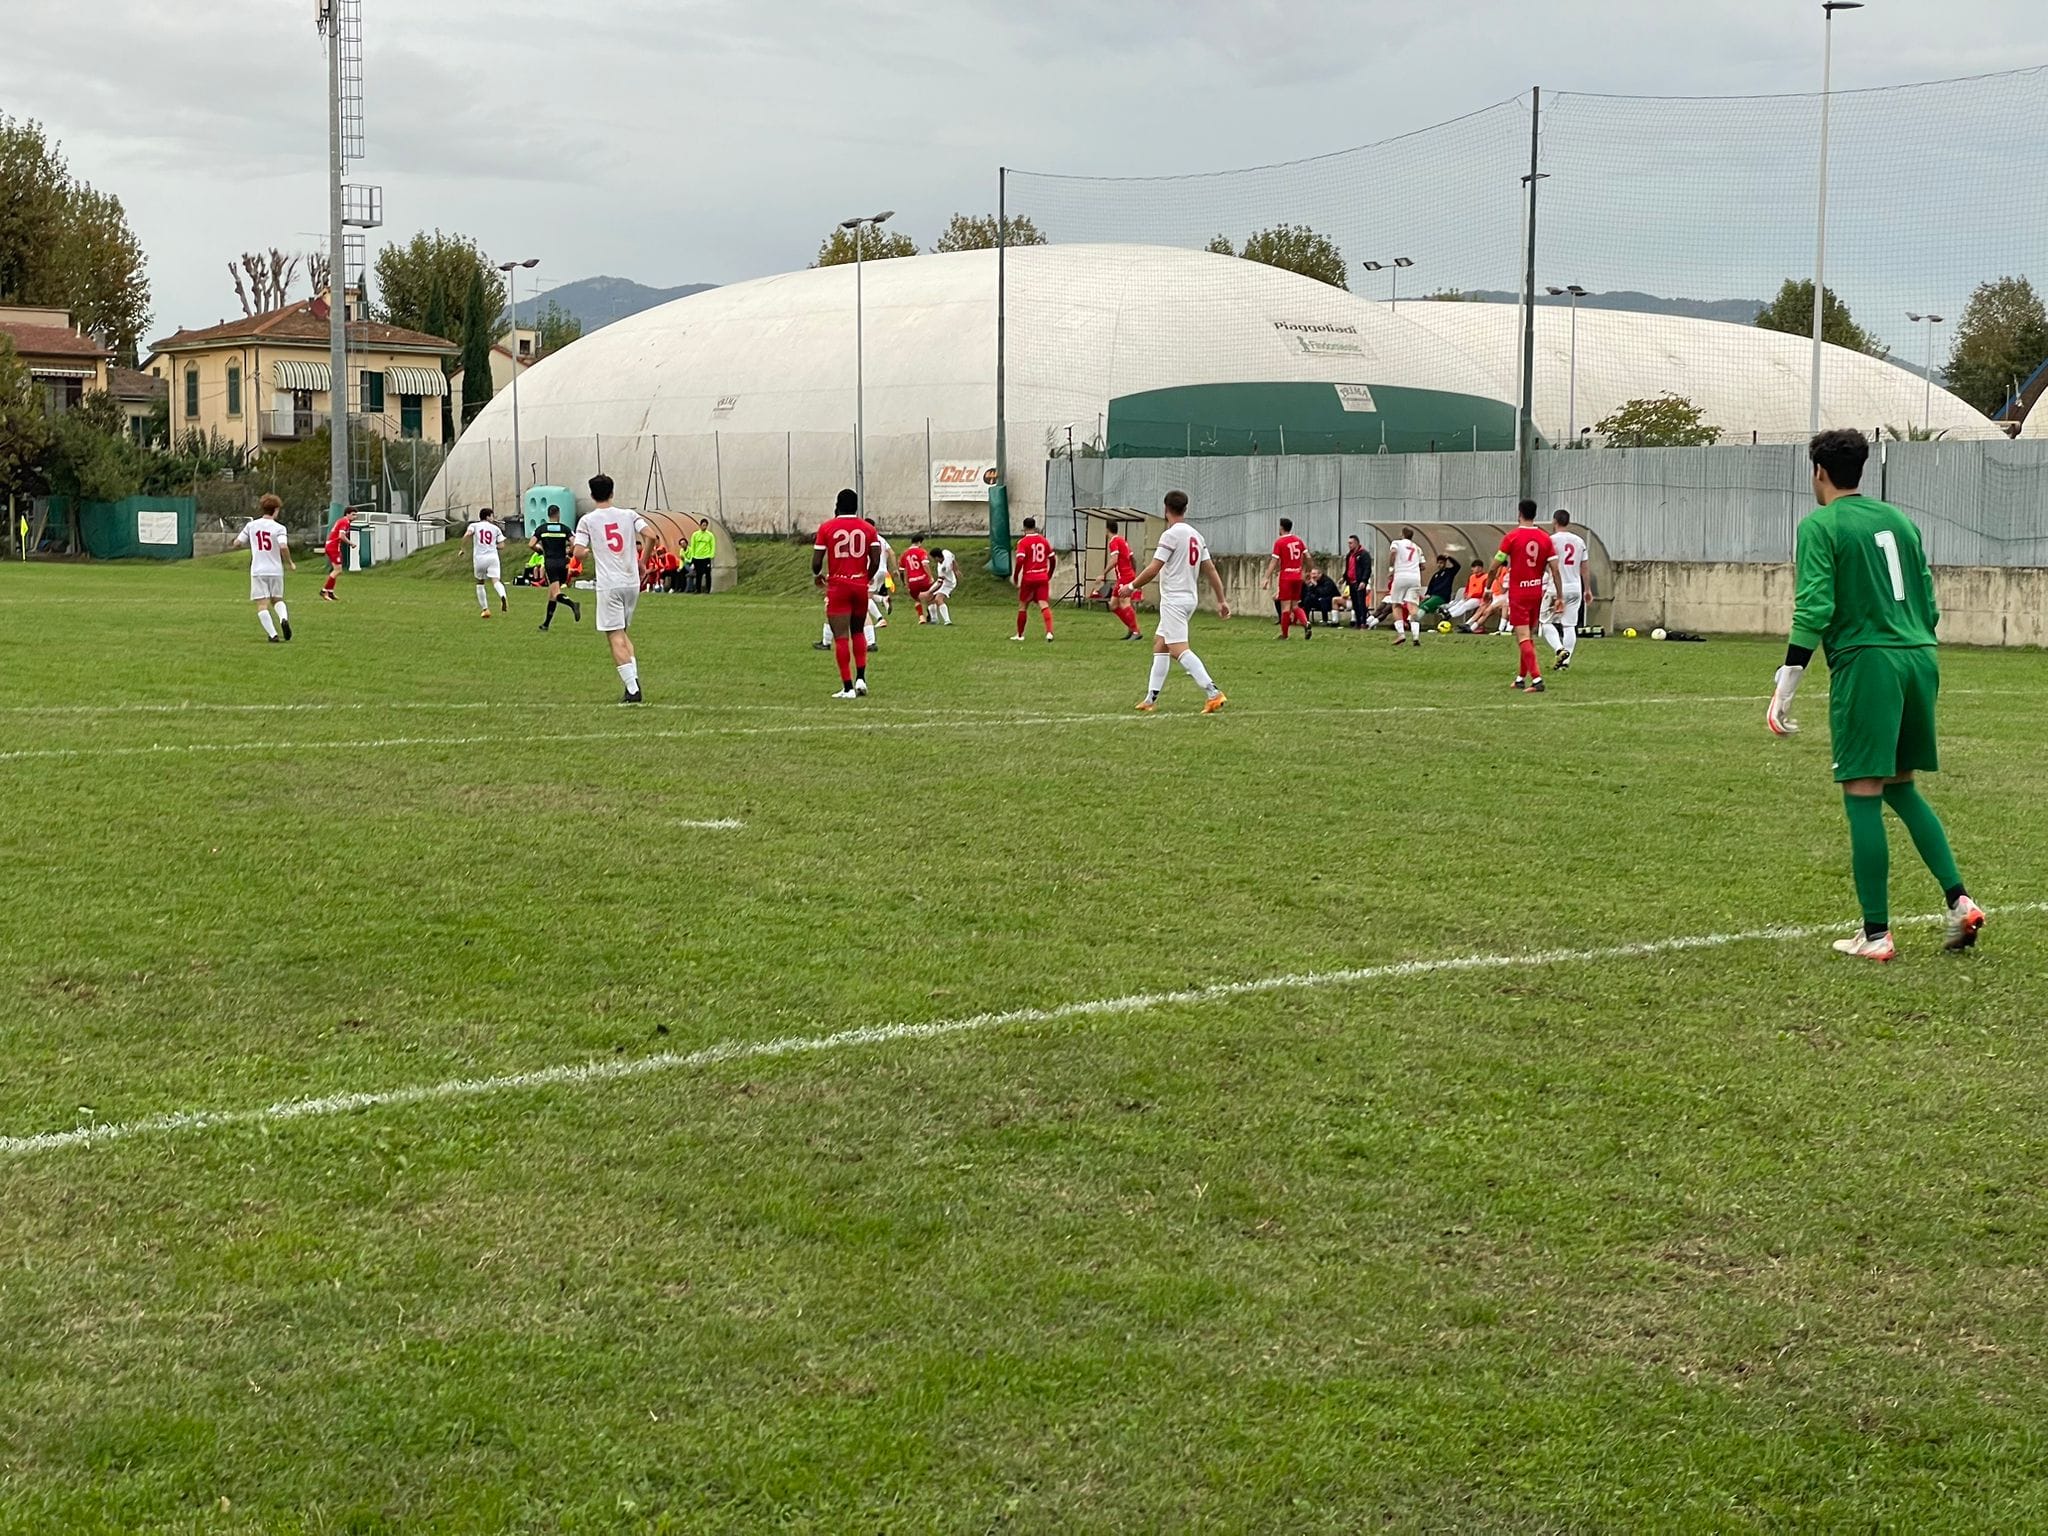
<point>552,538</point>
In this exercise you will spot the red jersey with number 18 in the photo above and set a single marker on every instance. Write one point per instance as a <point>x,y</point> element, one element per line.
<point>1034,558</point>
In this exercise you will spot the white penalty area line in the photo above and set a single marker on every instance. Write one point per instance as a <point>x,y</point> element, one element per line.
<point>615,1069</point>
<point>722,824</point>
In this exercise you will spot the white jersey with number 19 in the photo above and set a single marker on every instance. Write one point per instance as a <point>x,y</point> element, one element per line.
<point>612,535</point>
<point>1180,555</point>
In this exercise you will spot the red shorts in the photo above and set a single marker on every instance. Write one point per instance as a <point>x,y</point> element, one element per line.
<point>846,597</point>
<point>918,589</point>
<point>1525,605</point>
<point>334,554</point>
<point>1029,592</point>
<point>1290,589</point>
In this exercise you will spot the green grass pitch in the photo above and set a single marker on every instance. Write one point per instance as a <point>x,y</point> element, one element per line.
<point>1733,1236</point>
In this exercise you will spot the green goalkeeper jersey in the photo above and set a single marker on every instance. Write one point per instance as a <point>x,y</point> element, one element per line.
<point>1863,580</point>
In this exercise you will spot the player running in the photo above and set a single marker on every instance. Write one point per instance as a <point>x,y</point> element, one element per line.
<point>1865,596</point>
<point>487,540</point>
<point>618,538</point>
<point>1288,567</point>
<point>945,579</point>
<point>1561,629</point>
<point>845,557</point>
<point>1532,565</point>
<point>1404,587</point>
<point>269,553</point>
<point>1122,568</point>
<point>881,589</point>
<point>916,566</point>
<point>551,541</point>
<point>1031,575</point>
<point>1181,555</point>
<point>337,546</point>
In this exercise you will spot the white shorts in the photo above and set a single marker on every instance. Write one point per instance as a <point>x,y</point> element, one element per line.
<point>261,587</point>
<point>1406,589</point>
<point>944,588</point>
<point>615,607</point>
<point>1573,605</point>
<point>1459,607</point>
<point>485,570</point>
<point>1174,613</point>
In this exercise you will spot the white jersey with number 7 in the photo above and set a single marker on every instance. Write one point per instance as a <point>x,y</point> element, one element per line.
<point>612,535</point>
<point>1404,557</point>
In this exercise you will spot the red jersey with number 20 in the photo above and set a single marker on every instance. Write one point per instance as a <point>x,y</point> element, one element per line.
<point>1529,551</point>
<point>846,542</point>
<point>1034,558</point>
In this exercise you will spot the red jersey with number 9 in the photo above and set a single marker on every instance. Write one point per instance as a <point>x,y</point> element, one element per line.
<point>846,542</point>
<point>1529,551</point>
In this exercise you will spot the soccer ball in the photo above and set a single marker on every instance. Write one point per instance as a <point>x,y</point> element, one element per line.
<point>1656,634</point>
<point>1628,634</point>
<point>1443,627</point>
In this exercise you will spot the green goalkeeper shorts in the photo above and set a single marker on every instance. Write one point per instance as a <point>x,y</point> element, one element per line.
<point>1881,712</point>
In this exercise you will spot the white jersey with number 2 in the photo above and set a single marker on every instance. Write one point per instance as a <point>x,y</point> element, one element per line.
<point>1571,561</point>
<point>612,535</point>
<point>1180,555</point>
<point>1404,559</point>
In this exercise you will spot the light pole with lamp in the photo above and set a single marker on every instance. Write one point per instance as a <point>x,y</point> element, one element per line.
<point>1820,236</point>
<point>859,227</point>
<point>1927,406</point>
<point>1394,267</point>
<point>511,269</point>
<point>1572,411</point>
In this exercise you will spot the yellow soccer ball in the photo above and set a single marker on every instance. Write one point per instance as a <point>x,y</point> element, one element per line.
<point>1628,634</point>
<point>1443,627</point>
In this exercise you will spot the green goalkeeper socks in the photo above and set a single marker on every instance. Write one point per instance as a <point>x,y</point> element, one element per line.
<point>1928,836</point>
<point>1870,857</point>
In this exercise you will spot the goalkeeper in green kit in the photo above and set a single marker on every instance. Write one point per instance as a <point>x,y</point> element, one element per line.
<point>1866,598</point>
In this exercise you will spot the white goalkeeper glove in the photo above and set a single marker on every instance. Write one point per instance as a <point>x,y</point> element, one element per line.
<point>1779,716</point>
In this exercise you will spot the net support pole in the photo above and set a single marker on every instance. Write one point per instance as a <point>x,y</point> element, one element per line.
<point>999,493</point>
<point>1526,427</point>
<point>1820,222</point>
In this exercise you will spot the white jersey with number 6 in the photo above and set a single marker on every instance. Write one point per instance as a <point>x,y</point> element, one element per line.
<point>1571,561</point>
<point>1180,555</point>
<point>612,535</point>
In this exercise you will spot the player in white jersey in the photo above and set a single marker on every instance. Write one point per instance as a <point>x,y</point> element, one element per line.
<point>1404,587</point>
<point>1561,629</point>
<point>269,553</point>
<point>945,577</point>
<point>1178,563</point>
<point>618,539</point>
<point>881,589</point>
<point>487,542</point>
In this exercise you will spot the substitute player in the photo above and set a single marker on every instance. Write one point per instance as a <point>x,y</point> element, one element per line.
<point>487,541</point>
<point>845,558</point>
<point>916,566</point>
<point>269,553</point>
<point>1532,567</point>
<point>337,547</point>
<point>1287,570</point>
<point>1561,629</point>
<point>1404,587</point>
<point>1865,596</point>
<point>1031,574</point>
<point>1121,569</point>
<point>618,538</point>
<point>1177,563</point>
<point>551,541</point>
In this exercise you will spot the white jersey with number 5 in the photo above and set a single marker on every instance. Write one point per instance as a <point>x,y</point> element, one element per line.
<point>1571,561</point>
<point>1180,555</point>
<point>612,535</point>
<point>1404,560</point>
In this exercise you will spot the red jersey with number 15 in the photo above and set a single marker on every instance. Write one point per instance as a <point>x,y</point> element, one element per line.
<point>1034,558</point>
<point>1529,553</point>
<point>1292,554</point>
<point>847,543</point>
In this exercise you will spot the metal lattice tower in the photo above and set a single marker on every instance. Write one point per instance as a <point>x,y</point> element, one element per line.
<point>348,15</point>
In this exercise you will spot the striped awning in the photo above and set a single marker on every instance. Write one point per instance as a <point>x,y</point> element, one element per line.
<point>45,371</point>
<point>313,376</point>
<point>415,381</point>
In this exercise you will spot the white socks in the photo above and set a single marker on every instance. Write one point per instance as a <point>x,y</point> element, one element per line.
<point>278,609</point>
<point>629,674</point>
<point>1160,665</point>
<point>1552,638</point>
<point>263,618</point>
<point>827,636</point>
<point>868,632</point>
<point>1192,665</point>
<point>1571,637</point>
<point>482,601</point>
<point>944,616</point>
<point>499,588</point>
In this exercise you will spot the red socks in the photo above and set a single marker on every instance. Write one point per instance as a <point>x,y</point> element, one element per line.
<point>842,648</point>
<point>1529,669</point>
<point>1130,618</point>
<point>1021,611</point>
<point>330,584</point>
<point>1048,619</point>
<point>1286,619</point>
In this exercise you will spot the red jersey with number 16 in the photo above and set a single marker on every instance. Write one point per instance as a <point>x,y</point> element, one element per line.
<point>916,564</point>
<point>1529,551</point>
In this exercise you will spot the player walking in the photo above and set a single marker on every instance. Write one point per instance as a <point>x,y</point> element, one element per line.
<point>487,540</point>
<point>845,557</point>
<point>551,541</point>
<point>337,546</point>
<point>916,566</point>
<point>1181,556</point>
<point>1532,565</point>
<point>1031,575</point>
<point>618,538</point>
<point>943,583</point>
<point>1122,568</point>
<point>1404,587</point>
<point>1288,567</point>
<point>269,553</point>
<point>1561,630</point>
<point>1866,597</point>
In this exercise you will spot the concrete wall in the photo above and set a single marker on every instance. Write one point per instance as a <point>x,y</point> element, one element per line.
<point>1980,605</point>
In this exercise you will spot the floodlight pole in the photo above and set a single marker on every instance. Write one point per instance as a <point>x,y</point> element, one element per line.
<point>1820,237</point>
<point>511,271</point>
<point>1526,428</point>
<point>859,227</point>
<point>338,487</point>
<point>1927,398</point>
<point>1572,410</point>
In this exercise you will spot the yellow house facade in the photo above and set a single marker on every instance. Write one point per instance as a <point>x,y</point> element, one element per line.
<point>265,380</point>
<point>66,365</point>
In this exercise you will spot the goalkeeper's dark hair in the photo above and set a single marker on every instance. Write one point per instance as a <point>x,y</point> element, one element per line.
<point>1840,454</point>
<point>600,487</point>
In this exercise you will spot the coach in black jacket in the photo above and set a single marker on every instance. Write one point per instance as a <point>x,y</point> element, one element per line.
<point>1358,577</point>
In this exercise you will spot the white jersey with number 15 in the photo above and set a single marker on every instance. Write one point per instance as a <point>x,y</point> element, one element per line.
<point>1180,555</point>
<point>612,535</point>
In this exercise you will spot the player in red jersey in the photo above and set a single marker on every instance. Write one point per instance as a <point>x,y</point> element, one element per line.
<point>1532,565</point>
<point>337,547</point>
<point>1122,568</point>
<point>1031,574</point>
<point>1290,564</point>
<point>916,566</point>
<point>844,558</point>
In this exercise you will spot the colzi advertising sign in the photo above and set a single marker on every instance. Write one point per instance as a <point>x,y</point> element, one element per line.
<point>962,479</point>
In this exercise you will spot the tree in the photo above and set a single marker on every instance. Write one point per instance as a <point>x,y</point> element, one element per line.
<point>270,275</point>
<point>554,329</point>
<point>24,428</point>
<point>91,457</point>
<point>65,245</point>
<point>2001,339</point>
<point>426,286</point>
<point>1665,421</point>
<point>1447,296</point>
<point>1293,248</point>
<point>875,245</point>
<point>1792,312</point>
<point>476,349</point>
<point>977,232</point>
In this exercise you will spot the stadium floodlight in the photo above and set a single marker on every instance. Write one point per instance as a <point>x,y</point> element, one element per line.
<point>510,269</point>
<point>1394,266</point>
<point>860,224</point>
<point>1571,411</point>
<point>1820,235</point>
<point>1932,322</point>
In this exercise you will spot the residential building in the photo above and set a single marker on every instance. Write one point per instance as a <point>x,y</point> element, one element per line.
<point>65,362</point>
<point>515,350</point>
<point>139,395</point>
<point>265,379</point>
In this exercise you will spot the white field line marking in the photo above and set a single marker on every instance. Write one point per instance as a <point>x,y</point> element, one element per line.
<point>613,1069</point>
<point>722,824</point>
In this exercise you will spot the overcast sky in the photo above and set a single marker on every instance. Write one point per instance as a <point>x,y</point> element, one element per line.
<point>677,141</point>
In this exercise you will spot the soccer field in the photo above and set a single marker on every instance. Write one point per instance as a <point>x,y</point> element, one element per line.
<point>1390,1101</point>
